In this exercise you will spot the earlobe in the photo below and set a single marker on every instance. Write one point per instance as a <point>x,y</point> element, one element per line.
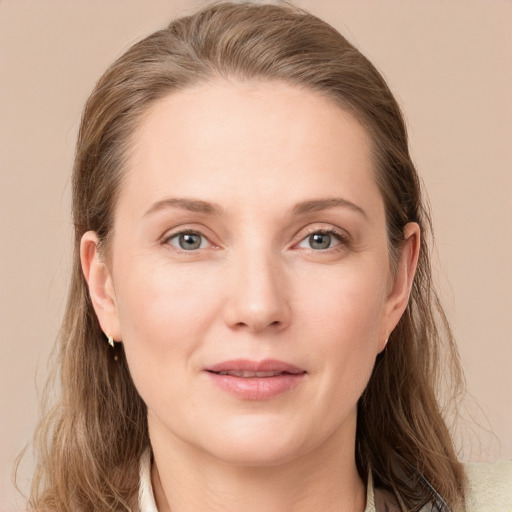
<point>408,260</point>
<point>99,282</point>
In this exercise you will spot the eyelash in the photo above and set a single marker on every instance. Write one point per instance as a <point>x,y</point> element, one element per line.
<point>342,239</point>
<point>192,232</point>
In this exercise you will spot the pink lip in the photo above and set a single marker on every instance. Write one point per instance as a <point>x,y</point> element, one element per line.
<point>267,365</point>
<point>256,388</point>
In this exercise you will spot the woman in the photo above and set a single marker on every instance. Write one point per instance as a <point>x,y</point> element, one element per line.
<point>251,322</point>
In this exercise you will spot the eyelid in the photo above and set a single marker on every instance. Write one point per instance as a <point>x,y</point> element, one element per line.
<point>165,239</point>
<point>341,235</point>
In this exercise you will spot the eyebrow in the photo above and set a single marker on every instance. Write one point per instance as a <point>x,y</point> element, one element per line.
<point>207,208</point>
<point>317,205</point>
<point>192,205</point>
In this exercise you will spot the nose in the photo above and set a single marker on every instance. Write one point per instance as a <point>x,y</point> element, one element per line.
<point>258,295</point>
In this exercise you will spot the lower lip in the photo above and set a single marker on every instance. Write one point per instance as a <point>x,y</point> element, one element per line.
<point>257,388</point>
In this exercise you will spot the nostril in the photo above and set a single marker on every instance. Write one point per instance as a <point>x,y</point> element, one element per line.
<point>244,312</point>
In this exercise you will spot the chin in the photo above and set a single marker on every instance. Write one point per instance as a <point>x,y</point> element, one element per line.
<point>257,445</point>
<point>256,455</point>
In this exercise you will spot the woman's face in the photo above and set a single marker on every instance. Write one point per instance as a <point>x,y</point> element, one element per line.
<point>249,277</point>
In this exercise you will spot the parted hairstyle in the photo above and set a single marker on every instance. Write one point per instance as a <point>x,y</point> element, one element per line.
<point>91,436</point>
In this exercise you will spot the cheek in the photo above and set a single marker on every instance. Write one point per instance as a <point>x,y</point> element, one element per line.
<point>349,303</point>
<point>161,327</point>
<point>158,303</point>
<point>343,315</point>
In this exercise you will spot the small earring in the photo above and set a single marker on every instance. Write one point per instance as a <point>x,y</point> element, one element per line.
<point>110,340</point>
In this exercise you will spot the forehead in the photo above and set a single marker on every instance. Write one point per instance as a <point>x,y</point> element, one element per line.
<point>254,138</point>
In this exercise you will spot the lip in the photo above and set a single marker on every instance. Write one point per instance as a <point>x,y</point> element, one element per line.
<point>257,387</point>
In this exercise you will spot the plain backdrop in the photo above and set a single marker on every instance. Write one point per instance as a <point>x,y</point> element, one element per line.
<point>449,64</point>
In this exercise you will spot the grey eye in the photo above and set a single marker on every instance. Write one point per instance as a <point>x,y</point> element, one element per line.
<point>320,241</point>
<point>188,241</point>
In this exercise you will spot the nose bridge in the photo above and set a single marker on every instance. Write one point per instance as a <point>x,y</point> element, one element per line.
<point>258,292</point>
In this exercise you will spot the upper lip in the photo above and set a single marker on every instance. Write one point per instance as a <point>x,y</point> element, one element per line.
<point>245,365</point>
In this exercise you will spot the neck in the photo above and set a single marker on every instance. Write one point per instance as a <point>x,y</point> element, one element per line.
<point>324,479</point>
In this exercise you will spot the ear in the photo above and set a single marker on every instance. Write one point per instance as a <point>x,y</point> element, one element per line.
<point>401,286</point>
<point>99,281</point>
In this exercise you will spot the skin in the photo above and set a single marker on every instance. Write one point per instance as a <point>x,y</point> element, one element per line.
<point>270,157</point>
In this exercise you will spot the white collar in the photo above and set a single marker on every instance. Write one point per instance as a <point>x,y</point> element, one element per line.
<point>147,498</point>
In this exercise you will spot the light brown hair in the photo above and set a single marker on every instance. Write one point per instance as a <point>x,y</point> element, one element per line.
<point>89,443</point>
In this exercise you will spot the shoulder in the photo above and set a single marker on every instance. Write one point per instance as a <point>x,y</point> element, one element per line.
<point>489,487</point>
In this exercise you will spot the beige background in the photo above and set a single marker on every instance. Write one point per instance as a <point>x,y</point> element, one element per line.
<point>449,63</point>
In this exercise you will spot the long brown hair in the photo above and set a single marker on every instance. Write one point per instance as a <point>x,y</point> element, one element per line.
<point>89,443</point>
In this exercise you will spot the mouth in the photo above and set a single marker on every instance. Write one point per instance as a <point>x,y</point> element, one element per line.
<point>254,369</point>
<point>252,375</point>
<point>252,380</point>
